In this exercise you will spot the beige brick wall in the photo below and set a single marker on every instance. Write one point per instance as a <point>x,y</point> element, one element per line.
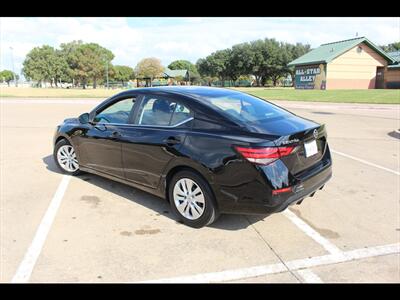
<point>354,68</point>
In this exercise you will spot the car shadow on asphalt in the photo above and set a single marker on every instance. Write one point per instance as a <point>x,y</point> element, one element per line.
<point>158,205</point>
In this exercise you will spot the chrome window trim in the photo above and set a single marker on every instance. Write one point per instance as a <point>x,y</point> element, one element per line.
<point>138,125</point>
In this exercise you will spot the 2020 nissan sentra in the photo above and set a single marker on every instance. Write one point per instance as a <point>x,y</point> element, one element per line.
<point>206,150</point>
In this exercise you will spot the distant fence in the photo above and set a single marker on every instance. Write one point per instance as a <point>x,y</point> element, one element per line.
<point>230,83</point>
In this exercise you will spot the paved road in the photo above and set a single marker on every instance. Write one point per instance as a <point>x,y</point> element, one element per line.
<point>104,231</point>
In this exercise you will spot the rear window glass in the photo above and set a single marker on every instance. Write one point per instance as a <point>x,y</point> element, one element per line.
<point>245,108</point>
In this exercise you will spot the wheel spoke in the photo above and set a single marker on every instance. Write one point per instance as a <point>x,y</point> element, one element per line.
<point>189,184</point>
<point>63,152</point>
<point>182,208</point>
<point>76,166</point>
<point>181,204</point>
<point>196,191</point>
<point>183,187</point>
<point>195,213</point>
<point>199,198</point>
<point>186,211</point>
<point>198,208</point>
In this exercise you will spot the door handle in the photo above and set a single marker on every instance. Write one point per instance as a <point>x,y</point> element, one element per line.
<point>172,140</point>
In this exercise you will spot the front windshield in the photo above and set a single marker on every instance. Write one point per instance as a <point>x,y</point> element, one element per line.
<point>245,108</point>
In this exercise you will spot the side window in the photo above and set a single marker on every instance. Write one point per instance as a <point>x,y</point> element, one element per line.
<point>162,112</point>
<point>181,113</point>
<point>117,113</point>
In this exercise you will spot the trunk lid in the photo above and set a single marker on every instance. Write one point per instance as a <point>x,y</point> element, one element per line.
<point>298,161</point>
<point>292,130</point>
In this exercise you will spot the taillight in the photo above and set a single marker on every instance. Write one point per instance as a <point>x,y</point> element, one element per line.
<point>280,191</point>
<point>265,155</point>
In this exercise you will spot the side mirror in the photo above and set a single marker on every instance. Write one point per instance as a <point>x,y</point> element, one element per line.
<point>84,118</point>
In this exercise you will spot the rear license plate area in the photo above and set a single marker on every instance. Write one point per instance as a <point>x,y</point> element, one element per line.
<point>310,148</point>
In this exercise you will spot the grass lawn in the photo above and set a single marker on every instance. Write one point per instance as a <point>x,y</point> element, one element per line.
<point>339,96</point>
<point>342,96</point>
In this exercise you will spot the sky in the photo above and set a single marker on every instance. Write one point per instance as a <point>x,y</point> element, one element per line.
<point>169,39</point>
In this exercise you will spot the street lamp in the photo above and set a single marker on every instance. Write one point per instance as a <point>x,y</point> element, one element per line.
<point>106,61</point>
<point>12,62</point>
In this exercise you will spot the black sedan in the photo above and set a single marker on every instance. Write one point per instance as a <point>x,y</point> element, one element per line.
<point>206,150</point>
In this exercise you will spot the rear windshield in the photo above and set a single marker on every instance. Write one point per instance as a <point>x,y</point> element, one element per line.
<point>245,108</point>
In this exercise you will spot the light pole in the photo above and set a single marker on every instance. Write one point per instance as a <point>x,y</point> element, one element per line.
<point>106,61</point>
<point>12,62</point>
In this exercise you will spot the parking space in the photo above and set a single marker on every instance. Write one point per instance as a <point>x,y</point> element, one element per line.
<point>105,231</point>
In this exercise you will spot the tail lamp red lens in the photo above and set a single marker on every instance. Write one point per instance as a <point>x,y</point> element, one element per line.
<point>280,191</point>
<point>265,155</point>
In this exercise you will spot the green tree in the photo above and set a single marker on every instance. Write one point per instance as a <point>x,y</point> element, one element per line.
<point>391,47</point>
<point>216,65</point>
<point>182,65</point>
<point>266,60</point>
<point>7,76</point>
<point>149,68</point>
<point>69,51</point>
<point>86,61</point>
<point>45,64</point>
<point>92,61</point>
<point>242,58</point>
<point>194,75</point>
<point>122,73</point>
<point>257,60</point>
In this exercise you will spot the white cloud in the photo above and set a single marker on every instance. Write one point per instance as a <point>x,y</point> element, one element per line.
<point>181,38</point>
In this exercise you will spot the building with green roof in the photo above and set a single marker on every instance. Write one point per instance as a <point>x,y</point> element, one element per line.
<point>350,64</point>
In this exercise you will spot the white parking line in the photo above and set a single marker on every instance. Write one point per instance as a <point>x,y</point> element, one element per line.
<point>366,162</point>
<point>26,266</point>
<point>309,276</point>
<point>294,265</point>
<point>328,246</point>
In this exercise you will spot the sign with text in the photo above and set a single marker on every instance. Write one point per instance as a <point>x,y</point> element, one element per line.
<point>310,77</point>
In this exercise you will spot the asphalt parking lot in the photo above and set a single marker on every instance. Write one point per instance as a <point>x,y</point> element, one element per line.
<point>56,228</point>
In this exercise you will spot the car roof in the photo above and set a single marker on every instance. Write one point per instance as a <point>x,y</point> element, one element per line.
<point>194,91</point>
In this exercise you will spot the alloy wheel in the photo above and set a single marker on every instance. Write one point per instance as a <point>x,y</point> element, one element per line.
<point>66,158</point>
<point>189,198</point>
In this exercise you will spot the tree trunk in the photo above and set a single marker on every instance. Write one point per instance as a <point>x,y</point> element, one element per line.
<point>94,83</point>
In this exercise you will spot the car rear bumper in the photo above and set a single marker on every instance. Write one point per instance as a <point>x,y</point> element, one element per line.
<point>273,204</point>
<point>305,189</point>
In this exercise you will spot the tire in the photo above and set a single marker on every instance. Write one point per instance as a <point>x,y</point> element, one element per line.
<point>192,211</point>
<point>64,145</point>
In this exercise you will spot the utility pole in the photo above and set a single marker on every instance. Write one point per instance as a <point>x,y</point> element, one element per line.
<point>106,61</point>
<point>12,62</point>
<point>107,73</point>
